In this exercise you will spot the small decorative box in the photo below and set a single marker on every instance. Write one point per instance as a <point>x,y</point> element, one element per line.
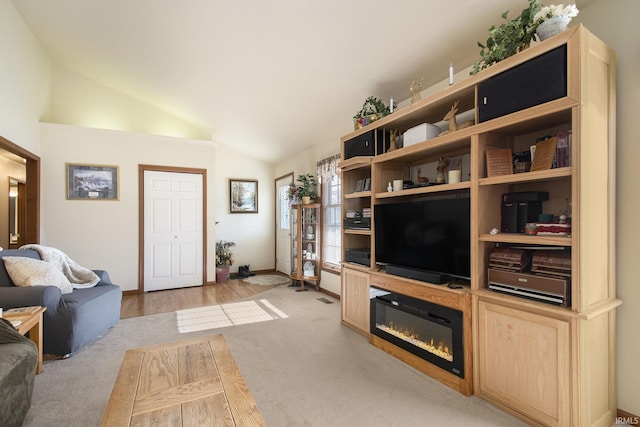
<point>552,229</point>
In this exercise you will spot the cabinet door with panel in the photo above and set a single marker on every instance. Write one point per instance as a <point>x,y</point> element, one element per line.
<point>525,362</point>
<point>355,300</point>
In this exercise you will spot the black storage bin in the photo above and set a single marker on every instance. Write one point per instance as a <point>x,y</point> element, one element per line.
<point>539,80</point>
<point>365,144</point>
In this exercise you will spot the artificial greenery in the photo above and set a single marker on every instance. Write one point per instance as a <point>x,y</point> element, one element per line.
<point>224,256</point>
<point>509,38</point>
<point>306,186</point>
<point>372,106</point>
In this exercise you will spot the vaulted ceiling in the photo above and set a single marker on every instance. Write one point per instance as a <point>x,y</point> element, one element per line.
<point>270,78</point>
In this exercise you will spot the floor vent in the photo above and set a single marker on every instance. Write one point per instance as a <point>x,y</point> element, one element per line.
<point>324,300</point>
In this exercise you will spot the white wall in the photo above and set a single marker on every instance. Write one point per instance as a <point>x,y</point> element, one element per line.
<point>100,233</point>
<point>104,234</point>
<point>24,81</point>
<point>71,93</point>
<point>254,234</point>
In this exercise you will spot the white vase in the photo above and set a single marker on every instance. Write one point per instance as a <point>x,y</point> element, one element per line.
<point>552,26</point>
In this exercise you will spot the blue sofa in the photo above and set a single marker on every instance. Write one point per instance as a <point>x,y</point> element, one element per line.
<point>71,320</point>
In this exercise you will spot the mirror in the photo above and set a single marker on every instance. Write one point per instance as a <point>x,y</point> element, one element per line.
<point>16,212</point>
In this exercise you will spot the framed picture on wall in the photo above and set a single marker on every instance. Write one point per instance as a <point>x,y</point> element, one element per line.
<point>243,196</point>
<point>92,182</point>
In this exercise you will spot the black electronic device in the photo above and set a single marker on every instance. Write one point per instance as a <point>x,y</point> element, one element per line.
<point>509,217</point>
<point>370,143</point>
<point>553,290</point>
<point>539,80</point>
<point>359,223</point>
<point>516,215</point>
<point>528,212</point>
<point>417,274</point>
<point>359,256</point>
<point>526,196</point>
<point>430,235</point>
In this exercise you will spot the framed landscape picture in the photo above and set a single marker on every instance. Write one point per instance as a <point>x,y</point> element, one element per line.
<point>243,196</point>
<point>92,182</point>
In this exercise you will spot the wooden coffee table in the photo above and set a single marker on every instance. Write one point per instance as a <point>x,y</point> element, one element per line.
<point>188,383</point>
<point>30,319</point>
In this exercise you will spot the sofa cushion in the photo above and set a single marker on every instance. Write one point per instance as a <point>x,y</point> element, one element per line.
<point>5,280</point>
<point>34,272</point>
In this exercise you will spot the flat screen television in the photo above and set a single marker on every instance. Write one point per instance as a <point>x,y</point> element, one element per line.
<point>427,239</point>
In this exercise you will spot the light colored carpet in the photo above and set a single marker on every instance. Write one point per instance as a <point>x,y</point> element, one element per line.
<point>304,370</point>
<point>268,280</point>
<point>220,316</point>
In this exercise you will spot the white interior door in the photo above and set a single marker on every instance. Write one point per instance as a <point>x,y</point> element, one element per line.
<point>173,234</point>
<point>283,232</point>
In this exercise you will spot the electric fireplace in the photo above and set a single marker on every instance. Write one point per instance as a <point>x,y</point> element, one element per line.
<point>429,331</point>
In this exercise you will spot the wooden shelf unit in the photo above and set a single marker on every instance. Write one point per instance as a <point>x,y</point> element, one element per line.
<point>306,244</point>
<point>546,364</point>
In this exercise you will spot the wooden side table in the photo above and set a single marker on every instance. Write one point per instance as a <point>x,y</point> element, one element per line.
<point>30,319</point>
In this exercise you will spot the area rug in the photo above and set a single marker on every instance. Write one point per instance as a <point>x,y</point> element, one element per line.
<point>223,315</point>
<point>295,369</point>
<point>268,280</point>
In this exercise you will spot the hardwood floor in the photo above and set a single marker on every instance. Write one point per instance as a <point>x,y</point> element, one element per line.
<point>180,299</point>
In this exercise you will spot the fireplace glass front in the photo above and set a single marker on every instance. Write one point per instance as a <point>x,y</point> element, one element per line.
<point>429,331</point>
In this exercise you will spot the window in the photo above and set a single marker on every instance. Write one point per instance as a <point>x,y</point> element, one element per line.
<point>331,238</point>
<point>284,201</point>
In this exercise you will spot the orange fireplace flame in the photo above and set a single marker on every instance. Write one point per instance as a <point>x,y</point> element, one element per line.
<point>440,348</point>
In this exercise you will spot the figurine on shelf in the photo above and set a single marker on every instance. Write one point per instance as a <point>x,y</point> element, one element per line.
<point>453,123</point>
<point>392,138</point>
<point>443,164</point>
<point>415,90</point>
<point>422,180</point>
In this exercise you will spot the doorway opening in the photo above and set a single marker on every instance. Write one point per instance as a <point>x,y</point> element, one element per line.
<point>30,232</point>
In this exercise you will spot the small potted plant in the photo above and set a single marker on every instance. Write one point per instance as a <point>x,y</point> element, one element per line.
<point>306,188</point>
<point>372,110</point>
<point>553,19</point>
<point>224,259</point>
<point>292,194</point>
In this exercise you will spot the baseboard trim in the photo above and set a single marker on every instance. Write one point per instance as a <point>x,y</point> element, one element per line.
<point>331,294</point>
<point>624,417</point>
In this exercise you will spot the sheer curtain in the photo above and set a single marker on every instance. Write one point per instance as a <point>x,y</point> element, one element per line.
<point>329,178</point>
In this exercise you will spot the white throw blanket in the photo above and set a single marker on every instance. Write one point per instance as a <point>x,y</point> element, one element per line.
<point>80,277</point>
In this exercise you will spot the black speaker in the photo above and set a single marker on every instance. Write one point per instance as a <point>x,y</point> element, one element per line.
<point>539,80</point>
<point>516,215</point>
<point>509,217</point>
<point>528,212</point>
<point>368,144</point>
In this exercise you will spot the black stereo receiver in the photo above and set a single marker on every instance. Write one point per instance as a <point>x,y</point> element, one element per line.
<point>359,256</point>
<point>357,223</point>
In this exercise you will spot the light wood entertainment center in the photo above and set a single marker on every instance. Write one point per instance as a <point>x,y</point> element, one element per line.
<point>547,364</point>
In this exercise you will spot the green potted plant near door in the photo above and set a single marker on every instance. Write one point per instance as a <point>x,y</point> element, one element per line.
<point>224,259</point>
<point>306,188</point>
